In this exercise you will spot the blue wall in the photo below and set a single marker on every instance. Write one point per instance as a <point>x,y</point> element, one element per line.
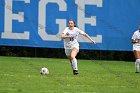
<point>39,23</point>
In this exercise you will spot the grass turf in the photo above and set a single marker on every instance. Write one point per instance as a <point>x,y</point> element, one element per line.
<point>21,75</point>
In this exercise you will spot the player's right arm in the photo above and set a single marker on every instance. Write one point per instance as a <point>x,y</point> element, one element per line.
<point>64,36</point>
<point>135,41</point>
<point>135,38</point>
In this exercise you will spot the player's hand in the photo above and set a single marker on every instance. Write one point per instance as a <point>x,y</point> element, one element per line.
<point>93,41</point>
<point>138,41</point>
<point>71,36</point>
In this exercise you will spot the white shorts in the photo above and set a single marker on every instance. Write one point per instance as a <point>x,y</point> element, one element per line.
<point>68,50</point>
<point>136,47</point>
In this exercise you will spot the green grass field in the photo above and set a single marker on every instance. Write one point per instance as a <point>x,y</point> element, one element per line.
<point>22,75</point>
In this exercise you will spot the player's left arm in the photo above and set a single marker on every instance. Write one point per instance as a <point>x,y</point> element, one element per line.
<point>87,36</point>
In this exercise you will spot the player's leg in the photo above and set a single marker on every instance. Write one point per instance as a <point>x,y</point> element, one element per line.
<point>137,62</point>
<point>74,60</point>
<point>69,57</point>
<point>68,54</point>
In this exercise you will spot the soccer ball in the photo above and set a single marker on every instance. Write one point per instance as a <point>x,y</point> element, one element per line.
<point>44,71</point>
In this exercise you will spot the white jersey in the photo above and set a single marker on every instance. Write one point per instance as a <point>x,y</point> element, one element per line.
<point>136,36</point>
<point>69,43</point>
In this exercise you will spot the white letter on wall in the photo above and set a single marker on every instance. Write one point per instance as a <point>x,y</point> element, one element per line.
<point>42,19</point>
<point>9,16</point>
<point>82,20</point>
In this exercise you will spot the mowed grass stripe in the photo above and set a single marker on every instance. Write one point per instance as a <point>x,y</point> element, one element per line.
<point>21,75</point>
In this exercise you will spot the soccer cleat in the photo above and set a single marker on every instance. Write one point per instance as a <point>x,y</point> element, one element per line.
<point>136,72</point>
<point>75,72</point>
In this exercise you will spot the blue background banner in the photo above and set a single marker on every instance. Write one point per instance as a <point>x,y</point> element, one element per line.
<point>39,23</point>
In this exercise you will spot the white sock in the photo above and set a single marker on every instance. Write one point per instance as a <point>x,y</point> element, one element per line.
<point>74,64</point>
<point>137,62</point>
<point>71,64</point>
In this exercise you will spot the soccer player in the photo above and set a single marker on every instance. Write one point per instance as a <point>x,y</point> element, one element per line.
<point>136,48</point>
<point>71,45</point>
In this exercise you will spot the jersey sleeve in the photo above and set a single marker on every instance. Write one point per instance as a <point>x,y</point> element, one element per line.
<point>80,31</point>
<point>65,30</point>
<point>134,36</point>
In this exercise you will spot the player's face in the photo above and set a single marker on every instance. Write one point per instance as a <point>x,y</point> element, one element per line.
<point>71,24</point>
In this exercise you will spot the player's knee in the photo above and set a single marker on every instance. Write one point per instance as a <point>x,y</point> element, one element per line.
<point>138,60</point>
<point>72,57</point>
